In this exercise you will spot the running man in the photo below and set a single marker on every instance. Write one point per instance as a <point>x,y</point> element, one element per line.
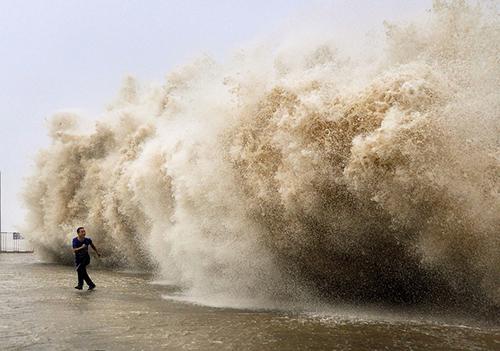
<point>82,257</point>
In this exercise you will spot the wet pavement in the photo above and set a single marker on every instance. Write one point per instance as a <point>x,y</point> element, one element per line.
<point>40,310</point>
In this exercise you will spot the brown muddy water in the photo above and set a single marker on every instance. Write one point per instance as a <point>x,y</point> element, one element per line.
<point>40,310</point>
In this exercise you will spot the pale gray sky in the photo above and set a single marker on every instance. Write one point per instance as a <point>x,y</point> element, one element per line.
<point>72,54</point>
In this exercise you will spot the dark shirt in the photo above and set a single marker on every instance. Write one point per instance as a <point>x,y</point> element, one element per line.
<point>83,254</point>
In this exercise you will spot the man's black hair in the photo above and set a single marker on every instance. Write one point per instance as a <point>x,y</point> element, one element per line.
<point>78,229</point>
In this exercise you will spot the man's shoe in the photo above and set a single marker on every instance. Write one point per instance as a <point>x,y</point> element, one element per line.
<point>92,287</point>
<point>78,287</point>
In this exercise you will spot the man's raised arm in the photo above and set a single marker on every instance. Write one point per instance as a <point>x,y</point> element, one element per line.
<point>79,248</point>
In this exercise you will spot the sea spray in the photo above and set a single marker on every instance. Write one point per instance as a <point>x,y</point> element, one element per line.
<point>282,176</point>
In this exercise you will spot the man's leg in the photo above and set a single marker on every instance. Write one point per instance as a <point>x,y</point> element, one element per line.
<point>80,276</point>
<point>86,277</point>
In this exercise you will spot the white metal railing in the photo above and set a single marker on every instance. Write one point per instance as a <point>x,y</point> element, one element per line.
<point>14,242</point>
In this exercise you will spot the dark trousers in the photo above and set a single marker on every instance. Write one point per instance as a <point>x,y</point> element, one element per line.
<point>81,269</point>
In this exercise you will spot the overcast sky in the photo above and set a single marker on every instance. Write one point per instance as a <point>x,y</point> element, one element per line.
<point>68,54</point>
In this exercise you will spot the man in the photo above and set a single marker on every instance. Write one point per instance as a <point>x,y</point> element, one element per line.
<point>82,257</point>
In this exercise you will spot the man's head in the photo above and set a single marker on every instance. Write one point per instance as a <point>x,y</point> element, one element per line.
<point>81,232</point>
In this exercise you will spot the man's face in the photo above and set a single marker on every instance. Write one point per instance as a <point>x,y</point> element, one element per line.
<point>81,233</point>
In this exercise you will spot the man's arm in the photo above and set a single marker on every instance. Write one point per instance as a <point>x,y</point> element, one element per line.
<point>79,248</point>
<point>95,249</point>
